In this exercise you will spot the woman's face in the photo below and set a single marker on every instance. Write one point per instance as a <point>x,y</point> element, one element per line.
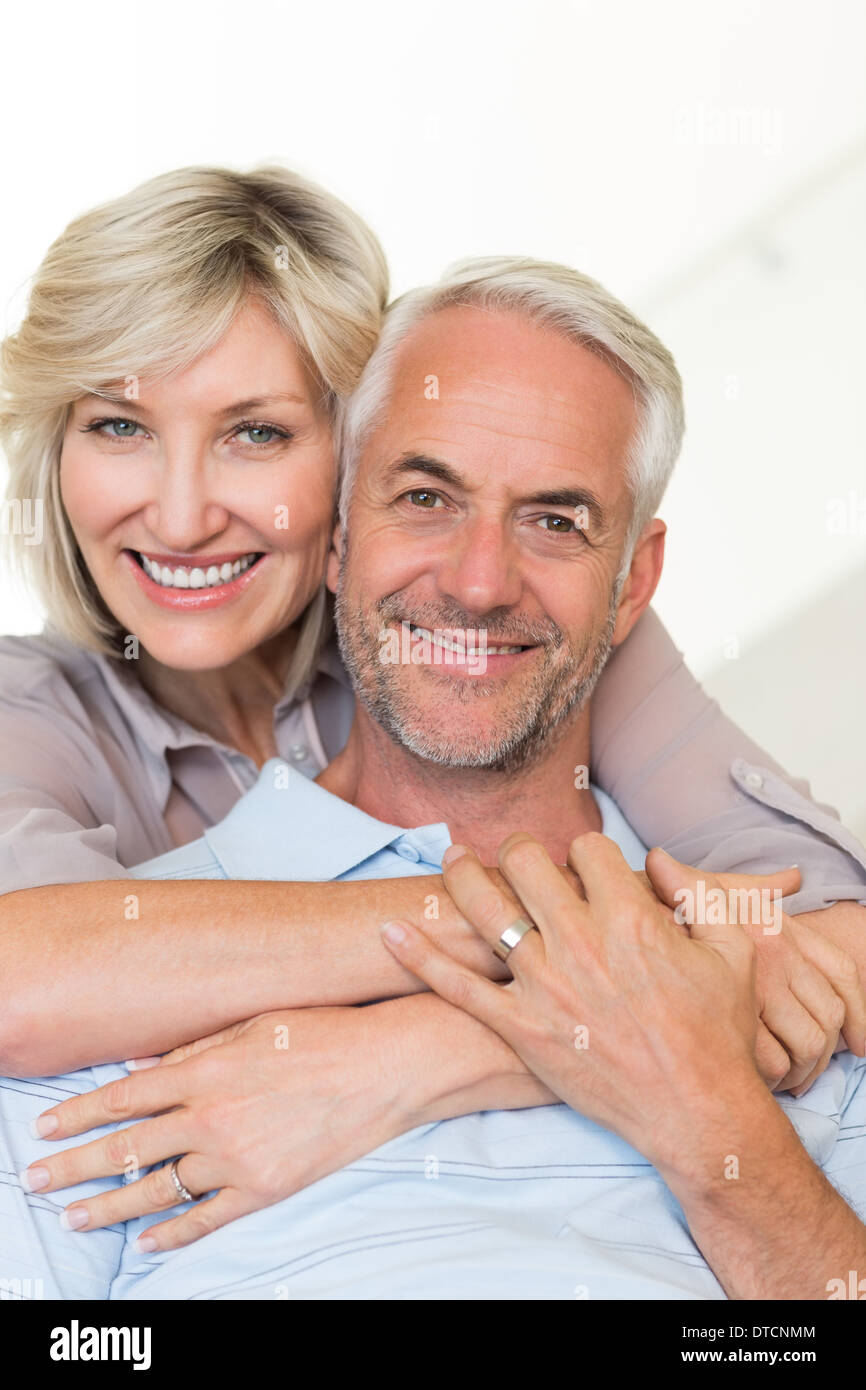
<point>203,506</point>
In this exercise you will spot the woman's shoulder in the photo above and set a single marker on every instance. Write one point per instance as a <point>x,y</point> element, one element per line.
<point>45,674</point>
<point>42,662</point>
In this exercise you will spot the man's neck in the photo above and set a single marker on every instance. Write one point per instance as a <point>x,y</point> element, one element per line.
<point>548,797</point>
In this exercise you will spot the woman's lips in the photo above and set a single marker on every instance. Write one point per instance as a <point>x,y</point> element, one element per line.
<point>193,600</point>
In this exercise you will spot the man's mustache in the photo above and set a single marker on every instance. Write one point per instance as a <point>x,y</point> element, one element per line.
<point>498,631</point>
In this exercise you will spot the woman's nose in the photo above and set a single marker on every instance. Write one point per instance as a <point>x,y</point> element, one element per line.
<point>186,509</point>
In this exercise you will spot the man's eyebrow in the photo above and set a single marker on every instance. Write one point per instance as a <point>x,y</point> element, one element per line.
<point>423,463</point>
<point>572,497</point>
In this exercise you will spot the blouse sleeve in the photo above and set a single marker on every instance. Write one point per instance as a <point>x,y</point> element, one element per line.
<point>690,780</point>
<point>53,780</point>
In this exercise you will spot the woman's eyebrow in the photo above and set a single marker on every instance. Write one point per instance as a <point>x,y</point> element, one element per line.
<point>236,408</point>
<point>257,402</point>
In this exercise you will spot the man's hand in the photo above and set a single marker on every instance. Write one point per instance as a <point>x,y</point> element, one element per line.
<point>615,1010</point>
<point>809,991</point>
<point>258,1111</point>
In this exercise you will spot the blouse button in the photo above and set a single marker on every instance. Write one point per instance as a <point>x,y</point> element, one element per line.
<point>754,779</point>
<point>298,752</point>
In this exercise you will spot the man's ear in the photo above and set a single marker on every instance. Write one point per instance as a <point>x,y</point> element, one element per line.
<point>335,555</point>
<point>642,579</point>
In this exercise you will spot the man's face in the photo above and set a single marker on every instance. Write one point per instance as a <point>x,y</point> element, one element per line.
<point>489,511</point>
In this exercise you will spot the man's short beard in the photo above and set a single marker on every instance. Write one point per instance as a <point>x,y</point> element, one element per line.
<point>557,690</point>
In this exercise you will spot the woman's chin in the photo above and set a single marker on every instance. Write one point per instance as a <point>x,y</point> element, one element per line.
<point>191,647</point>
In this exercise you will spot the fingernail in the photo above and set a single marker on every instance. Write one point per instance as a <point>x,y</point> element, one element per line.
<point>43,1125</point>
<point>394,932</point>
<point>453,852</point>
<point>142,1063</point>
<point>74,1218</point>
<point>144,1244</point>
<point>34,1179</point>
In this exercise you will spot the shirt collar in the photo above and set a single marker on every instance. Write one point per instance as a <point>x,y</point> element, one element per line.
<point>157,732</point>
<point>313,835</point>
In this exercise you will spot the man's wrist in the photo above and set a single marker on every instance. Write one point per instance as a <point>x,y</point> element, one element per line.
<point>728,1137</point>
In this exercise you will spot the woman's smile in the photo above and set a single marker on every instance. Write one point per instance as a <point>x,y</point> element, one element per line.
<point>211,581</point>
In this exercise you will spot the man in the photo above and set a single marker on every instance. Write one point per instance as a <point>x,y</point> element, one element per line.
<point>498,518</point>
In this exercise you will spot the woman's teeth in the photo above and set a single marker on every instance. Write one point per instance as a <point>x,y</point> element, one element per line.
<point>195,576</point>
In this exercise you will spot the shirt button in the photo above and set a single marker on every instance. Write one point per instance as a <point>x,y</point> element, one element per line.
<point>407,851</point>
<point>754,779</point>
<point>298,752</point>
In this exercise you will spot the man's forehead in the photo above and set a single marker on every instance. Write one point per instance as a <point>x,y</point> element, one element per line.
<point>465,372</point>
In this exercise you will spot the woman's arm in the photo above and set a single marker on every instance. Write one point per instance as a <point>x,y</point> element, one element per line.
<point>95,972</point>
<point>688,779</point>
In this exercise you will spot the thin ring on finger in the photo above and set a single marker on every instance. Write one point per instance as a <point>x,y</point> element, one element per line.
<point>148,1195</point>
<point>182,1192</point>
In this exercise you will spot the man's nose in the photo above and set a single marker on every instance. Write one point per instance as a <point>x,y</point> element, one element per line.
<point>185,510</point>
<point>480,570</point>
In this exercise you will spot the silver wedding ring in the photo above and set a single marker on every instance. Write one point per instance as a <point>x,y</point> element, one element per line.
<point>183,1192</point>
<point>512,936</point>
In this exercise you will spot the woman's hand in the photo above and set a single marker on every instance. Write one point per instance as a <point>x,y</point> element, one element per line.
<point>809,991</point>
<point>257,1111</point>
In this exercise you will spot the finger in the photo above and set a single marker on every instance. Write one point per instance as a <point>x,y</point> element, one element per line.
<point>842,972</point>
<point>123,1151</point>
<point>610,885</point>
<point>551,903</point>
<point>673,880</point>
<point>454,983</point>
<point>771,1059</point>
<point>154,1192</point>
<point>190,1049</point>
<point>799,1033</point>
<point>819,999</point>
<point>481,901</point>
<point>128,1098</point>
<point>199,1220</point>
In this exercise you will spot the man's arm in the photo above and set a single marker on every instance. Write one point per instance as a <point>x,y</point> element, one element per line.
<point>675,1080</point>
<point>767,1220</point>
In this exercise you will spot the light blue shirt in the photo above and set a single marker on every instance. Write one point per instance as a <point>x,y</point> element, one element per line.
<point>538,1203</point>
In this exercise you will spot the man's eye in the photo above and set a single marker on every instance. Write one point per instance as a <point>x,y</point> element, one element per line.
<point>562,524</point>
<point>422,498</point>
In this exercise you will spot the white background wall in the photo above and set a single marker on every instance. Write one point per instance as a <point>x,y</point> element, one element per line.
<point>707,162</point>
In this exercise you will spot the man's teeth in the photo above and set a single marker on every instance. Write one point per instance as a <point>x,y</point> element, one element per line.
<point>452,644</point>
<point>195,576</point>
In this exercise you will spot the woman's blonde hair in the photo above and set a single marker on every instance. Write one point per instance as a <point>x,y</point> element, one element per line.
<point>146,284</point>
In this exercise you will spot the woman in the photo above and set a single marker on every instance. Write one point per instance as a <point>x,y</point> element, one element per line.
<point>171,395</point>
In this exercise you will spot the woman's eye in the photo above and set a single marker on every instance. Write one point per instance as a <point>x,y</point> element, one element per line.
<point>114,429</point>
<point>422,498</point>
<point>260,434</point>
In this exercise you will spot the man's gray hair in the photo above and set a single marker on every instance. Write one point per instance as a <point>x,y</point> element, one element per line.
<point>567,302</point>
